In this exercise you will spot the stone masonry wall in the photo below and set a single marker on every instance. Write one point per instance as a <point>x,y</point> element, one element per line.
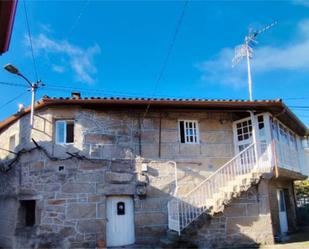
<point>71,192</point>
<point>287,186</point>
<point>245,221</point>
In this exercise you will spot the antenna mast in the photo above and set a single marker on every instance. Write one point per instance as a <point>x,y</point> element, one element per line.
<point>245,50</point>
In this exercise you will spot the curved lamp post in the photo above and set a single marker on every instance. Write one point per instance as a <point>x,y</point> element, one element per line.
<point>33,86</point>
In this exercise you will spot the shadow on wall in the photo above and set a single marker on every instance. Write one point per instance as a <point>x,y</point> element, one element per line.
<point>245,221</point>
<point>70,192</point>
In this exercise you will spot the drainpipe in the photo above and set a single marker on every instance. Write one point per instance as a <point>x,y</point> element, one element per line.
<point>255,139</point>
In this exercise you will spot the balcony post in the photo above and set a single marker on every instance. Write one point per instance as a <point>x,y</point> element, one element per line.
<point>255,138</point>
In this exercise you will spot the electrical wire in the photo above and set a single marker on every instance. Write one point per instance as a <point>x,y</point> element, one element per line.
<point>86,3</point>
<point>299,107</point>
<point>169,52</point>
<point>30,41</point>
<point>11,84</point>
<point>298,98</point>
<point>13,99</point>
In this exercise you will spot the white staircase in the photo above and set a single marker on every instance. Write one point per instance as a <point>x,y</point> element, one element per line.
<point>213,193</point>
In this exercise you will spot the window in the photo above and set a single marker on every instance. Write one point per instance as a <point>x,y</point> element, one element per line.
<point>121,208</point>
<point>244,130</point>
<point>64,131</point>
<point>188,132</point>
<point>12,143</point>
<point>27,213</point>
<point>261,125</point>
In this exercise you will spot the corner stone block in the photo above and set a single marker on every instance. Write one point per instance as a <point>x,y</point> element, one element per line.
<point>86,165</point>
<point>115,177</point>
<point>39,165</point>
<point>81,210</point>
<point>116,189</point>
<point>71,187</point>
<point>91,226</point>
<point>151,218</point>
<point>122,166</point>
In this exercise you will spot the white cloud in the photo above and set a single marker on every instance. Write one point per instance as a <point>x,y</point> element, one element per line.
<point>80,60</point>
<point>58,69</point>
<point>302,2</point>
<point>291,56</point>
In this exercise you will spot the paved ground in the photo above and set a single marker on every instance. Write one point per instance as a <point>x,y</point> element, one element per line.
<point>298,240</point>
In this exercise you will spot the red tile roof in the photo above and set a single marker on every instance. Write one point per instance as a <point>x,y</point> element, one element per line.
<point>7,15</point>
<point>276,107</point>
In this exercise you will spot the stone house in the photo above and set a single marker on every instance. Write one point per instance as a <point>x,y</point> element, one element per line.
<point>96,172</point>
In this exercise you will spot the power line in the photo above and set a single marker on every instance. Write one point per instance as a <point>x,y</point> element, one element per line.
<point>86,3</point>
<point>298,98</point>
<point>13,99</point>
<point>30,41</point>
<point>299,107</point>
<point>11,84</point>
<point>169,52</point>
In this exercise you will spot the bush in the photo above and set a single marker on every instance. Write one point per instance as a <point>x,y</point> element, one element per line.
<point>302,196</point>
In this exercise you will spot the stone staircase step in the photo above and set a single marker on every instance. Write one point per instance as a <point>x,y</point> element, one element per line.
<point>172,235</point>
<point>167,243</point>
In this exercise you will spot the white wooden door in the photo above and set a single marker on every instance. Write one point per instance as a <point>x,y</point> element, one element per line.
<point>120,221</point>
<point>282,212</point>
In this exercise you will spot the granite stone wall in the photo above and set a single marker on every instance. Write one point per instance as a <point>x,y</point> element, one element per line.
<point>287,186</point>
<point>245,221</point>
<point>70,183</point>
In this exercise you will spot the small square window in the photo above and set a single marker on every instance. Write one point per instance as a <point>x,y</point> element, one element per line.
<point>64,131</point>
<point>188,132</point>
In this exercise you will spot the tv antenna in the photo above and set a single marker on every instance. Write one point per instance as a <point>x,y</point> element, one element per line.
<point>246,50</point>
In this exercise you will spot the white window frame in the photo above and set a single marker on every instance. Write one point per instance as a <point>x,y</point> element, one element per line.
<point>65,131</point>
<point>197,133</point>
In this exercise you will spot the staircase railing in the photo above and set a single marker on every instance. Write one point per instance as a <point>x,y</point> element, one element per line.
<point>181,212</point>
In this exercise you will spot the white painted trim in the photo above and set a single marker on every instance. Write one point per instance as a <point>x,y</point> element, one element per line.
<point>65,131</point>
<point>268,132</point>
<point>197,130</point>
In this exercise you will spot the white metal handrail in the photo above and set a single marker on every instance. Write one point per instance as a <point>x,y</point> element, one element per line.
<point>208,193</point>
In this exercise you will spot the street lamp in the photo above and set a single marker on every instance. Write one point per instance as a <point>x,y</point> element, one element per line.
<point>33,86</point>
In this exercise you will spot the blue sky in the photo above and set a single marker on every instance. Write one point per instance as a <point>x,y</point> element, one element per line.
<point>117,48</point>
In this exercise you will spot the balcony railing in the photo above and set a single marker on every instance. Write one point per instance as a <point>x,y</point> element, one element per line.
<point>287,157</point>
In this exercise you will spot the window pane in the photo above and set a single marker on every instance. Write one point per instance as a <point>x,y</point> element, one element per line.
<point>60,132</point>
<point>282,204</point>
<point>188,131</point>
<point>70,132</point>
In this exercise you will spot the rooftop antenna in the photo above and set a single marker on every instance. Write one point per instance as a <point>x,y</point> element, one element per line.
<point>246,50</point>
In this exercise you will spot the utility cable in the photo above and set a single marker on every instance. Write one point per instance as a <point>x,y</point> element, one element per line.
<point>169,52</point>
<point>11,84</point>
<point>74,25</point>
<point>30,41</point>
<point>13,99</point>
